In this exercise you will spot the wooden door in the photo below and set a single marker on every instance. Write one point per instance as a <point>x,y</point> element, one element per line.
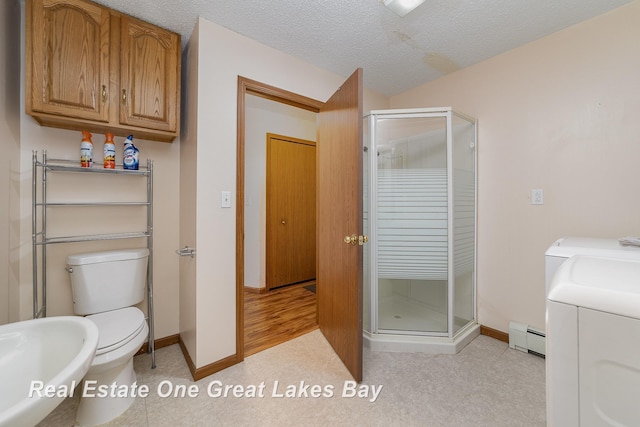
<point>69,67</point>
<point>149,76</point>
<point>339,274</point>
<point>291,211</point>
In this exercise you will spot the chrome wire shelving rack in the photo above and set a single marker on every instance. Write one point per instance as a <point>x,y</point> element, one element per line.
<point>40,238</point>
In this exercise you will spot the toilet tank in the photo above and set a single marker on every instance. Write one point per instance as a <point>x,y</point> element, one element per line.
<point>108,280</point>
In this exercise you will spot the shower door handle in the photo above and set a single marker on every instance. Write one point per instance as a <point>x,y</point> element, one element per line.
<point>356,240</point>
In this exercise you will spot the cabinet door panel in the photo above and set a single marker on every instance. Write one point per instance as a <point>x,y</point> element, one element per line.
<point>149,76</point>
<point>70,60</point>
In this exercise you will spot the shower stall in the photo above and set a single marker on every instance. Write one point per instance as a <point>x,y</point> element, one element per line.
<point>420,216</point>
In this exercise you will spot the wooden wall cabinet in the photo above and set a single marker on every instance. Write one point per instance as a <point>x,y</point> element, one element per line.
<point>90,67</point>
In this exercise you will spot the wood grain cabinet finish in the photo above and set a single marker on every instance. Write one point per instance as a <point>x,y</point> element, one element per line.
<point>90,67</point>
<point>149,60</point>
<point>70,54</point>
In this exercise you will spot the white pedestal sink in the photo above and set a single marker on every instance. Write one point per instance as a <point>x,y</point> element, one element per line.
<point>45,358</point>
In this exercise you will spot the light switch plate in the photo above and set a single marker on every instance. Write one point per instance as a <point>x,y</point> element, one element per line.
<point>537,196</point>
<point>226,199</point>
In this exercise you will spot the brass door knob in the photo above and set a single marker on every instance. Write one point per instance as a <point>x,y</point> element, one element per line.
<point>356,240</point>
<point>353,239</point>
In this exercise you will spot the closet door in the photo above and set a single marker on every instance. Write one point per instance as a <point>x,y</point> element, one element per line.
<point>149,76</point>
<point>291,211</point>
<point>68,64</point>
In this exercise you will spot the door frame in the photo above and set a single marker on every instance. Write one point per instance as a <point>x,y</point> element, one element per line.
<point>253,87</point>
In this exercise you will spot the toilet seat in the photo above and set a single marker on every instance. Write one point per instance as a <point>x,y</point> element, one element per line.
<point>117,327</point>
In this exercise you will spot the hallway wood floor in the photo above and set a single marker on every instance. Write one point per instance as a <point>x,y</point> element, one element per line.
<point>277,316</point>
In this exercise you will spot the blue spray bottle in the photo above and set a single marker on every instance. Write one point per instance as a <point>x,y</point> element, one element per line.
<point>130,160</point>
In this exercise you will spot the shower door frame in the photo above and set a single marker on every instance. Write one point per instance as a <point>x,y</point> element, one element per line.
<point>447,113</point>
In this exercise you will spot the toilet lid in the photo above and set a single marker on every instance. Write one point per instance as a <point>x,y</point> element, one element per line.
<point>117,327</point>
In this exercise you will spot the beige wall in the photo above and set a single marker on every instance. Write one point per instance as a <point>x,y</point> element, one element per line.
<point>9,168</point>
<point>188,193</point>
<point>264,116</point>
<point>222,56</point>
<point>65,144</point>
<point>559,114</point>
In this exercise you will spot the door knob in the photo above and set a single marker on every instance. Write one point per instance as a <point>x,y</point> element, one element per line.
<point>353,239</point>
<point>356,240</point>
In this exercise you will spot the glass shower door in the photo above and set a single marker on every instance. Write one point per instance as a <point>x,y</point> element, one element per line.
<point>410,200</point>
<point>464,213</point>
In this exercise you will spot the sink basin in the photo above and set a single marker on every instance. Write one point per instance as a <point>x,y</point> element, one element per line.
<point>42,357</point>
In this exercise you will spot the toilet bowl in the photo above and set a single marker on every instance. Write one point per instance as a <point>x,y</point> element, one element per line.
<point>106,287</point>
<point>121,334</point>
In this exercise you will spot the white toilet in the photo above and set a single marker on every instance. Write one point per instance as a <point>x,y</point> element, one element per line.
<point>106,286</point>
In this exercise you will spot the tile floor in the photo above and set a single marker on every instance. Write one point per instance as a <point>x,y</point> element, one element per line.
<point>486,384</point>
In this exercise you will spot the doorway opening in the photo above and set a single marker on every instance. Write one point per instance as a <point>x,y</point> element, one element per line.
<point>339,260</point>
<point>280,223</point>
<point>275,316</point>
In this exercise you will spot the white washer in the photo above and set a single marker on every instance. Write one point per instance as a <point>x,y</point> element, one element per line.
<point>566,247</point>
<point>593,343</point>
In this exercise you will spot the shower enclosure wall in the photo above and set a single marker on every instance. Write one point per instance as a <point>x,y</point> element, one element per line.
<point>420,215</point>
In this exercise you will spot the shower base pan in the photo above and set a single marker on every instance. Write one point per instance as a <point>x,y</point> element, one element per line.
<point>421,343</point>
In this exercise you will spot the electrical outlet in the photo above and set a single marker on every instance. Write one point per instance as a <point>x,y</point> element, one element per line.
<point>537,196</point>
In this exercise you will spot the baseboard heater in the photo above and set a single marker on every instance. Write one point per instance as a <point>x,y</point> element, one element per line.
<point>527,339</point>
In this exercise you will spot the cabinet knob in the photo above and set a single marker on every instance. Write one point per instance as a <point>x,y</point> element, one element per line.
<point>124,96</point>
<point>104,93</point>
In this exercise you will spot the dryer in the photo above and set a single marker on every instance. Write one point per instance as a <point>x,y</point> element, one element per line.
<point>593,343</point>
<point>566,247</point>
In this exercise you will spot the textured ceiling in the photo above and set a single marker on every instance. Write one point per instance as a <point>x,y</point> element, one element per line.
<point>397,54</point>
